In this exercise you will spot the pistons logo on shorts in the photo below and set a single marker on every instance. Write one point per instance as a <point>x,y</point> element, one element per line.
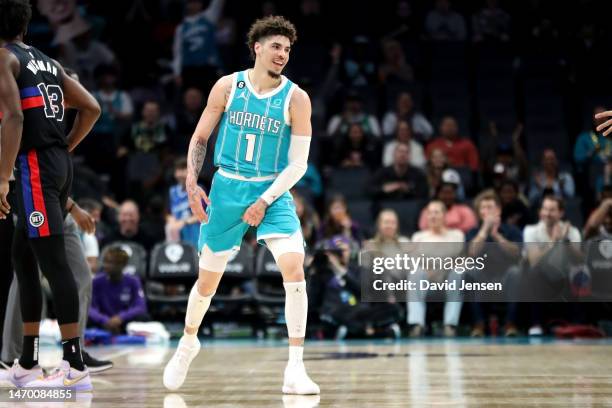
<point>37,219</point>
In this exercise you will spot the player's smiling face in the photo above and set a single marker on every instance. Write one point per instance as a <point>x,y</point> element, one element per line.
<point>273,52</point>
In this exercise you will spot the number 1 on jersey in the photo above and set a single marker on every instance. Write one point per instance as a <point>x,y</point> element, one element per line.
<point>250,146</point>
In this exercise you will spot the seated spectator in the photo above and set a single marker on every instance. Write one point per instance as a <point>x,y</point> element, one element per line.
<point>500,243</point>
<point>129,227</point>
<point>436,165</point>
<point>404,135</point>
<point>334,289</point>
<point>79,49</point>
<point>600,220</point>
<point>117,299</point>
<point>461,152</point>
<point>181,224</point>
<point>309,219</point>
<point>338,221</point>
<point>456,215</point>
<point>114,121</point>
<point>491,23</point>
<point>186,119</point>
<point>353,113</point>
<point>394,72</point>
<point>549,180</point>
<point>359,65</point>
<point>436,233</point>
<point>444,24</point>
<point>541,238</point>
<point>515,209</point>
<point>150,134</point>
<point>404,110</point>
<point>503,161</point>
<point>403,24</point>
<point>592,153</point>
<point>388,242</point>
<point>399,181</point>
<point>117,107</point>
<point>357,149</point>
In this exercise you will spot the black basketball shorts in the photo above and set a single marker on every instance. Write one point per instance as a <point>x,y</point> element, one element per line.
<point>43,181</point>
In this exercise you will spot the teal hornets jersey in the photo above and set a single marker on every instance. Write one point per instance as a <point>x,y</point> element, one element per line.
<point>254,136</point>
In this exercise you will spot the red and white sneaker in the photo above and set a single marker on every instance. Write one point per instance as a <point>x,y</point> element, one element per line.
<point>20,376</point>
<point>64,377</point>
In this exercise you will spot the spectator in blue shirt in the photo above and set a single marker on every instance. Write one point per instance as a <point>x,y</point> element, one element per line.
<point>117,299</point>
<point>181,224</point>
<point>196,56</point>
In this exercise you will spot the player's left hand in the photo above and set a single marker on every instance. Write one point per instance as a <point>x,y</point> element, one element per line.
<point>255,213</point>
<point>83,219</point>
<point>607,125</point>
<point>5,208</point>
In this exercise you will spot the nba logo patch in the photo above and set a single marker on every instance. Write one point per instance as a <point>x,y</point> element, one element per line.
<point>240,84</point>
<point>37,219</point>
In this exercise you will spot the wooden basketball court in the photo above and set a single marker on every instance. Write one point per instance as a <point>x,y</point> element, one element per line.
<point>363,374</point>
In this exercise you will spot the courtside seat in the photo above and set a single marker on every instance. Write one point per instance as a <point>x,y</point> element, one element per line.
<point>172,271</point>
<point>137,263</point>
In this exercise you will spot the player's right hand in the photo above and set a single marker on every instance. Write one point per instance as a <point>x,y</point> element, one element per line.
<point>5,208</point>
<point>197,197</point>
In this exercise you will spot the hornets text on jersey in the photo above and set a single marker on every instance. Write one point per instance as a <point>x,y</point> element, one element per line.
<point>255,131</point>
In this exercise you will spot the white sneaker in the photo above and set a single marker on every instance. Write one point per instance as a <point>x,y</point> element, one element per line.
<point>20,377</point>
<point>535,331</point>
<point>176,369</point>
<point>64,377</point>
<point>297,381</point>
<point>301,401</point>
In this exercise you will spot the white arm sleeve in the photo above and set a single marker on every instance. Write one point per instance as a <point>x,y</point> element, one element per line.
<point>298,163</point>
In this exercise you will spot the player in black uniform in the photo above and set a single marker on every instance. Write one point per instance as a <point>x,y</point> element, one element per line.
<point>34,93</point>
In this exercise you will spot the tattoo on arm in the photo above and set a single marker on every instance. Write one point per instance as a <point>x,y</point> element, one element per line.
<point>198,153</point>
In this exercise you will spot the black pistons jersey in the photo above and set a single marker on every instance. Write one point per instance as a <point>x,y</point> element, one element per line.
<point>42,99</point>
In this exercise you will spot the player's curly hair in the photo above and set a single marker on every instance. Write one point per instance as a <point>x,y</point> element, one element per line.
<point>14,18</point>
<point>267,26</point>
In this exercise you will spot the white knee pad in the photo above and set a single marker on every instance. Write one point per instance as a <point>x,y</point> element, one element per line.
<point>209,261</point>
<point>283,245</point>
<point>296,308</point>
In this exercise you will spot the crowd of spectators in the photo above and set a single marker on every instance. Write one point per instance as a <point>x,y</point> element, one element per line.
<point>374,76</point>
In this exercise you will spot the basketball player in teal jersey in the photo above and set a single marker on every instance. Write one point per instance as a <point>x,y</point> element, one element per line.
<point>261,152</point>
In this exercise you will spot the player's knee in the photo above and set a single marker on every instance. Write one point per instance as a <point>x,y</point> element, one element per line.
<point>207,286</point>
<point>289,255</point>
<point>211,269</point>
<point>293,270</point>
<point>211,262</point>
